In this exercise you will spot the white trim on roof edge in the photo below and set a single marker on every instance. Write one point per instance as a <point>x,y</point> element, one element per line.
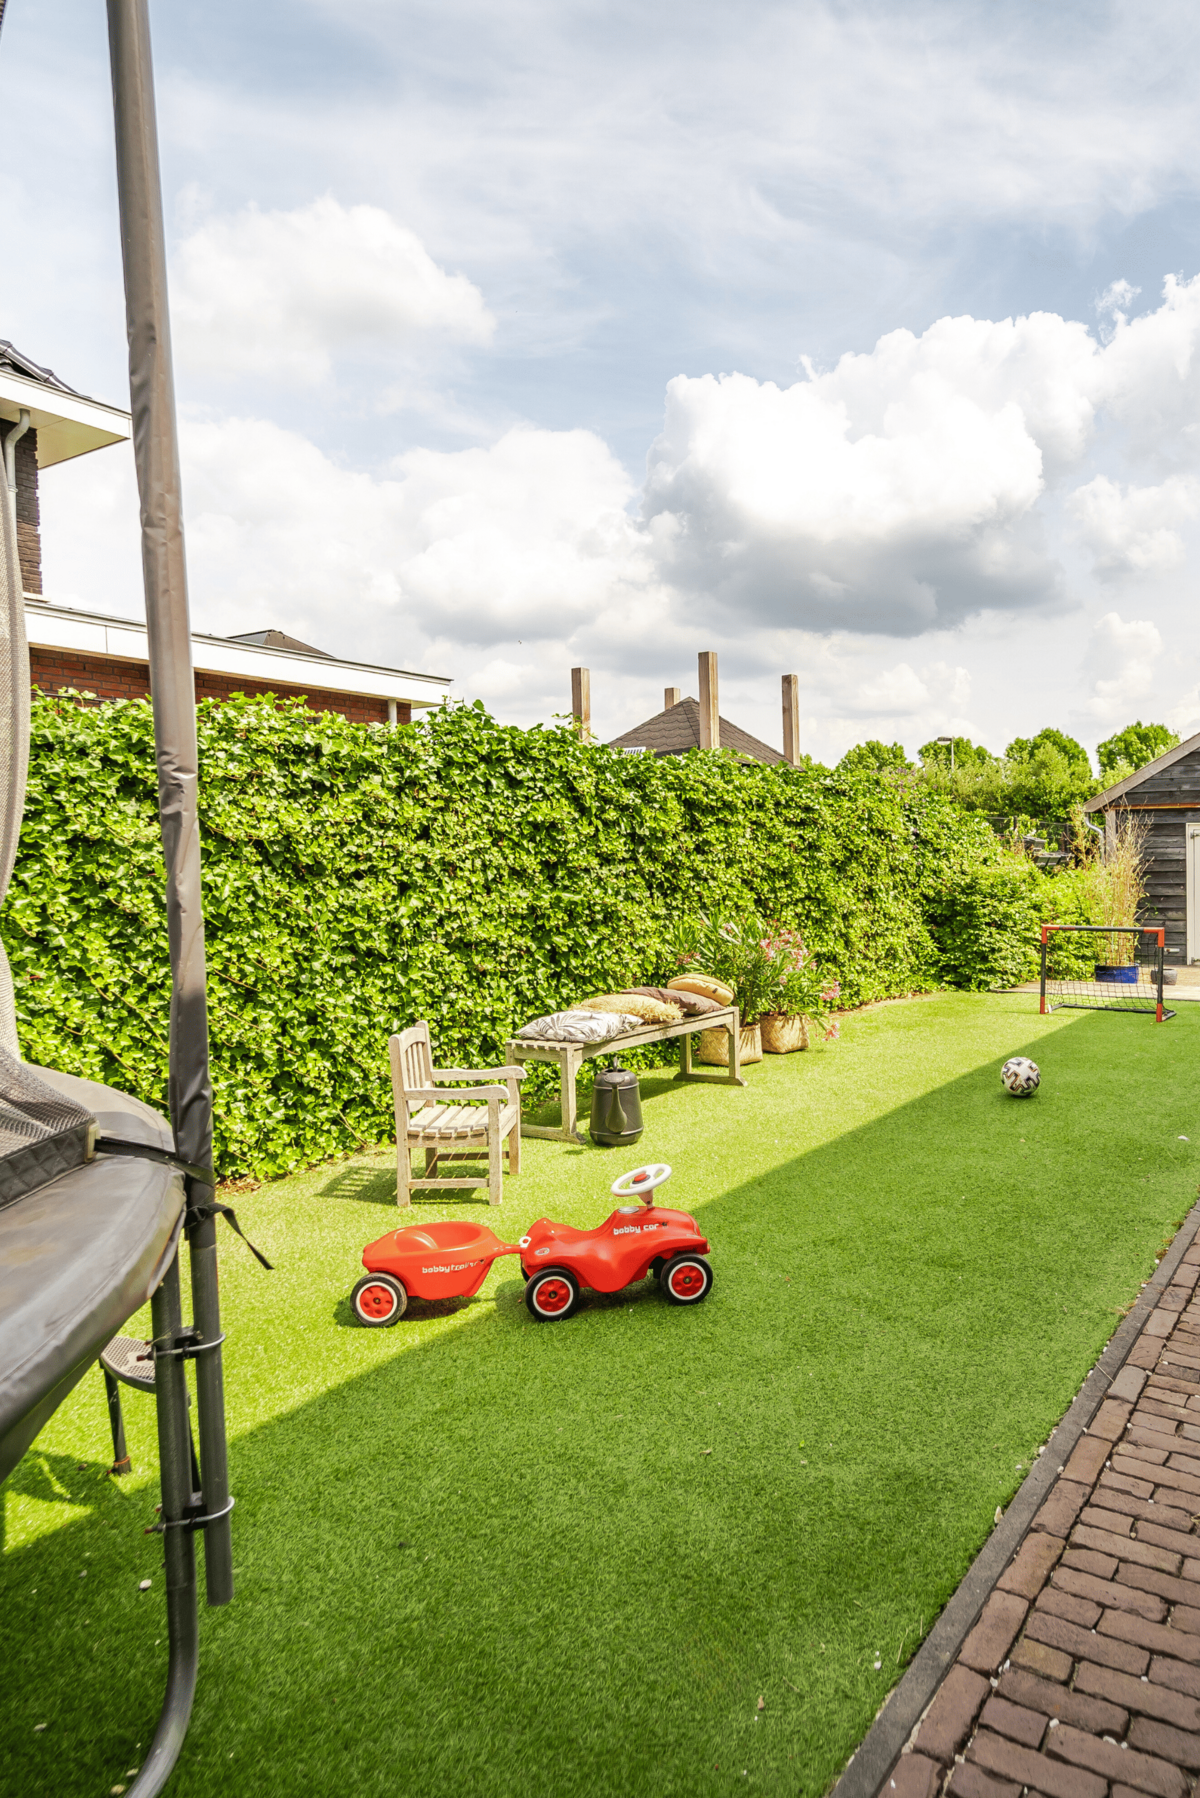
<point>124,640</point>
<point>67,425</point>
<point>1168,757</point>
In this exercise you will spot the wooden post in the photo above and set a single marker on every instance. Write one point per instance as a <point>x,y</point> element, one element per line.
<point>671,696</point>
<point>1110,831</point>
<point>710,718</point>
<point>581,702</point>
<point>791,719</point>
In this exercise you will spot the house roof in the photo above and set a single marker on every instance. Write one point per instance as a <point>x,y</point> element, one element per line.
<point>1111,795</point>
<point>677,730</point>
<point>273,639</point>
<point>67,423</point>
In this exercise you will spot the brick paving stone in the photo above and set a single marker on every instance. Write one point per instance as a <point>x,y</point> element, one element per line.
<point>1113,1481</point>
<point>913,1777</point>
<point>1052,1663</point>
<point>1180,1355</point>
<point>1191,1569</point>
<point>1180,1542</point>
<point>1159,1323</point>
<point>1176,1674</point>
<point>993,1635</point>
<point>970,1781</point>
<point>1174,1298</point>
<point>1097,1517</point>
<point>1144,1352</point>
<point>1184,1463</point>
<point>1110,1592</point>
<point>1057,1603</point>
<point>1112,1762</point>
<point>1110,1420</point>
<point>1123,1627</point>
<point>1061,1508</point>
<point>1132,1451</point>
<point>1026,1574</point>
<point>1086,1560</point>
<point>1169,1744</point>
<point>951,1717</point>
<point>1186,1617</point>
<point>1126,1504</point>
<point>1141,1696</point>
<point>1013,1721</point>
<point>1087,1458</point>
<point>1010,1761</point>
<point>1149,1579</point>
<point>1097,1714</point>
<point>1141,1435</point>
<point>1169,1382</point>
<point>1146,1554</point>
<point>1157,1403</point>
<point>1128,1383</point>
<point>1083,1644</point>
<point>1169,1481</point>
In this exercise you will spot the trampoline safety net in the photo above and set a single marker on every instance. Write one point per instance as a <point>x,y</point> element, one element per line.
<point>42,1134</point>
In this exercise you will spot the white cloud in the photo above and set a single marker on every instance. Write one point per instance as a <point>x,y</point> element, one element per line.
<point>1121,659</point>
<point>284,294</point>
<point>1130,531</point>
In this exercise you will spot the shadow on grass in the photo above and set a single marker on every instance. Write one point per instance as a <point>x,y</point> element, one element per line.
<point>621,1530</point>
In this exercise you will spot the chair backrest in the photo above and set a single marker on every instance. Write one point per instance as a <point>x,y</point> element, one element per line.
<point>412,1064</point>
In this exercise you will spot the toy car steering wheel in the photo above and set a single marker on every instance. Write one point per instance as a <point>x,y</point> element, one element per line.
<point>641,1182</point>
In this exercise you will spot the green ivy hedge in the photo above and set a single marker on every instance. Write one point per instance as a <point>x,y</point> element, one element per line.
<point>357,878</point>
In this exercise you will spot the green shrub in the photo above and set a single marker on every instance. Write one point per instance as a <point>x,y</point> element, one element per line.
<point>357,878</point>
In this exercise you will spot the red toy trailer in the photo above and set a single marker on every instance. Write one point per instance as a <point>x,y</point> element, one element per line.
<point>426,1261</point>
<point>634,1241</point>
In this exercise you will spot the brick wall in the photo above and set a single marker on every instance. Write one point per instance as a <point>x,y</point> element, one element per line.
<point>29,542</point>
<point>52,670</point>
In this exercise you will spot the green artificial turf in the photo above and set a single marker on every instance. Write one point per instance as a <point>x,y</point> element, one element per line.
<point>481,1555</point>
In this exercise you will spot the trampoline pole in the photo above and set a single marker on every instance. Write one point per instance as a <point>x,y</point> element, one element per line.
<point>172,686</point>
<point>179,1544</point>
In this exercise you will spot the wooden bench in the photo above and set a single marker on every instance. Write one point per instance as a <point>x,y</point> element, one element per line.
<point>571,1057</point>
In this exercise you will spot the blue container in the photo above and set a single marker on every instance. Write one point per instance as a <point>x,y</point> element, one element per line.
<point>1125,976</point>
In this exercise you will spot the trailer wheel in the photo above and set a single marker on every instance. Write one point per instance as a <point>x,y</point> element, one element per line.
<point>686,1279</point>
<point>378,1300</point>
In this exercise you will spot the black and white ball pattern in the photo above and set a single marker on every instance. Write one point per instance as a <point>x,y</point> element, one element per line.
<point>1021,1076</point>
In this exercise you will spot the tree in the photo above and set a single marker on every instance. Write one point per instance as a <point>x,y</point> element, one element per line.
<point>1025,749</point>
<point>874,755</point>
<point>966,754</point>
<point>1129,749</point>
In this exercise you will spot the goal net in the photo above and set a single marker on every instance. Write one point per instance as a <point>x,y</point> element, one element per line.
<point>1102,967</point>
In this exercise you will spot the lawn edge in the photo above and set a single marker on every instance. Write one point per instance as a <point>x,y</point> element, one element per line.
<point>907,1702</point>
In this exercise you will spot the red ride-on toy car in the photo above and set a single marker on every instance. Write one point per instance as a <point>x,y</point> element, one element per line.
<point>559,1263</point>
<point>426,1261</point>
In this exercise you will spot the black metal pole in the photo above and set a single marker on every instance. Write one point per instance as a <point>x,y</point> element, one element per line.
<point>156,453</point>
<point>179,1543</point>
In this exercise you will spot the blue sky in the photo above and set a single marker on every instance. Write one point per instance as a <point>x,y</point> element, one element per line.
<point>513,338</point>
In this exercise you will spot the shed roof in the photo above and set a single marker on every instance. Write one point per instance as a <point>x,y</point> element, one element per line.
<point>1112,795</point>
<point>677,730</point>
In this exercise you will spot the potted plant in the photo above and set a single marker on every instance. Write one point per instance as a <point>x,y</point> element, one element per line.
<point>775,986</point>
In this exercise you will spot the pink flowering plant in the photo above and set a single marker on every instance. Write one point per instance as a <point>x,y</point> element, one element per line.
<point>768,966</point>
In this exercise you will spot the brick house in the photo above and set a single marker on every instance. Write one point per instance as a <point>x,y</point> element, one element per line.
<point>43,422</point>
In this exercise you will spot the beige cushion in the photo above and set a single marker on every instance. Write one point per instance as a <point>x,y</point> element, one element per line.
<point>650,1011</point>
<point>693,1004</point>
<point>704,984</point>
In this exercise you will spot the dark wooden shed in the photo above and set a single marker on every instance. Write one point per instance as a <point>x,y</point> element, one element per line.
<point>1165,796</point>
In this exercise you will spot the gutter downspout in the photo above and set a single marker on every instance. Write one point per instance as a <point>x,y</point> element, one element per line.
<point>10,456</point>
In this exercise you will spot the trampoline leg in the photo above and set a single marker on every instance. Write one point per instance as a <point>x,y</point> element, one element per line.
<point>179,1546</point>
<point>210,1407</point>
<point>117,1424</point>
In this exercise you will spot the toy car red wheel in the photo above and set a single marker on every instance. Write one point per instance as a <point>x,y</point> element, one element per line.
<point>686,1279</point>
<point>552,1294</point>
<point>378,1299</point>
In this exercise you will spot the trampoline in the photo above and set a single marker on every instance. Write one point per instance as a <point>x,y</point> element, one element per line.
<point>99,1192</point>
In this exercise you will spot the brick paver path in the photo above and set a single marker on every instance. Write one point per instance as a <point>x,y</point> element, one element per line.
<point>1081,1678</point>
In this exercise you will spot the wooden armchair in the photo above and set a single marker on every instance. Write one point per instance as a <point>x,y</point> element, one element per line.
<point>441,1124</point>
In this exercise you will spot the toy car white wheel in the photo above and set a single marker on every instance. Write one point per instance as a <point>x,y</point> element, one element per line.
<point>377,1300</point>
<point>552,1294</point>
<point>641,1180</point>
<point>686,1279</point>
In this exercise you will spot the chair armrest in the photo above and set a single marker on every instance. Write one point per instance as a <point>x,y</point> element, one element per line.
<point>514,1073</point>
<point>433,1095</point>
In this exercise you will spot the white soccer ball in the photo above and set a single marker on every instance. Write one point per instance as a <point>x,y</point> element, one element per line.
<point>1021,1076</point>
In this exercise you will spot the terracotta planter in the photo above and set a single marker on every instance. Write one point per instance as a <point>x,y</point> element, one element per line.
<point>713,1046</point>
<point>783,1032</point>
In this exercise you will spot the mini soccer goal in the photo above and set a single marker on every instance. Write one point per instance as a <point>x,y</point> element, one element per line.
<point>1101,967</point>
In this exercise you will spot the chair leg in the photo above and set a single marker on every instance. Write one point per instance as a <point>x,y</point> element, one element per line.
<point>121,1463</point>
<point>495,1150</point>
<point>431,1161</point>
<point>403,1174</point>
<point>514,1149</point>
